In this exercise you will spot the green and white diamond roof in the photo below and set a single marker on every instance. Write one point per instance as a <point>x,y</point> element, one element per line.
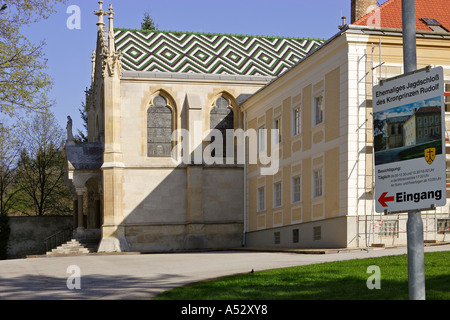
<point>182,52</point>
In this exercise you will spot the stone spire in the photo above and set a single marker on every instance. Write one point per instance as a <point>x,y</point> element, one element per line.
<point>111,40</point>
<point>106,49</point>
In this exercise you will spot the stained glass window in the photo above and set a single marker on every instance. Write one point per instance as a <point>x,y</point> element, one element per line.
<point>221,118</point>
<point>159,128</point>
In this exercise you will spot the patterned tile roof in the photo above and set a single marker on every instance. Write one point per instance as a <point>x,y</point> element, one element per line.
<point>390,14</point>
<point>166,51</point>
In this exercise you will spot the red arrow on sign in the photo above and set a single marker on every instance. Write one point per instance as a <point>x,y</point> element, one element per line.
<point>383,199</point>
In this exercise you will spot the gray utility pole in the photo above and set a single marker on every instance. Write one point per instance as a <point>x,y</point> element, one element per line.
<point>416,264</point>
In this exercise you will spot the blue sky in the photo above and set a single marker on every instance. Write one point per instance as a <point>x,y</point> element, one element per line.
<point>408,109</point>
<point>69,51</point>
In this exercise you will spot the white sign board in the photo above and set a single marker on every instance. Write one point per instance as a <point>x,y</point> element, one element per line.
<point>409,142</point>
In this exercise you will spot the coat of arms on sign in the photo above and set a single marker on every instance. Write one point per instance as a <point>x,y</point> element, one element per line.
<point>430,154</point>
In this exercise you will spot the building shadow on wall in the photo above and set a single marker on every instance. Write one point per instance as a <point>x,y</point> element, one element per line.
<point>184,207</point>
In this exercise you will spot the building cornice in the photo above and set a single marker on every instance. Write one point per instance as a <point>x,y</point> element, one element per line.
<point>397,32</point>
<point>146,75</point>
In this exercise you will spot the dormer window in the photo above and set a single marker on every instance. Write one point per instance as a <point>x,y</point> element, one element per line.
<point>431,22</point>
<point>434,25</point>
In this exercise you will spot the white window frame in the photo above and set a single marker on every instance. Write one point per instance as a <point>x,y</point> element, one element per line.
<point>296,120</point>
<point>277,195</point>
<point>317,182</point>
<point>294,199</point>
<point>261,199</point>
<point>318,116</point>
<point>447,99</point>
<point>277,125</point>
<point>262,139</point>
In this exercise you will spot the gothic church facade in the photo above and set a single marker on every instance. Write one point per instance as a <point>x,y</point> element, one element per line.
<point>148,88</point>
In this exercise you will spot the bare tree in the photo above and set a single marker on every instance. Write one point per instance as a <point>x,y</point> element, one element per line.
<point>40,172</point>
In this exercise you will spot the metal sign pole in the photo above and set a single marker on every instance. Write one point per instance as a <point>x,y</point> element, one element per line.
<point>416,265</point>
<point>409,35</point>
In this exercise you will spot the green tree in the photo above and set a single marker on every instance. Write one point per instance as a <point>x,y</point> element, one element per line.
<point>40,172</point>
<point>9,154</point>
<point>82,136</point>
<point>148,23</point>
<point>9,147</point>
<point>24,84</point>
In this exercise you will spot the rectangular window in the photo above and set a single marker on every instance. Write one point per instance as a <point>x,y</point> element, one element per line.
<point>277,126</point>
<point>296,183</point>
<point>262,138</point>
<point>389,228</point>
<point>295,236</point>
<point>277,194</point>
<point>296,118</point>
<point>261,199</point>
<point>276,237</point>
<point>317,233</point>
<point>318,109</point>
<point>318,183</point>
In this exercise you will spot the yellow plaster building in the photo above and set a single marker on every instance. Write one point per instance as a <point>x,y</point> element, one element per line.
<point>322,195</point>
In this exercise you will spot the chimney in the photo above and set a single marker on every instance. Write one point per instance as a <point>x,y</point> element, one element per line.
<point>362,7</point>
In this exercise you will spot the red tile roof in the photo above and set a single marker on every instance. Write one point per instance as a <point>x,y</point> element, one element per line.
<point>389,14</point>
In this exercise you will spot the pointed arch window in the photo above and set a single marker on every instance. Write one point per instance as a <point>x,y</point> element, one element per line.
<point>222,119</point>
<point>159,128</point>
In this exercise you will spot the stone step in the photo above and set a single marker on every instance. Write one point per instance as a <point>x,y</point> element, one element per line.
<point>76,247</point>
<point>65,251</point>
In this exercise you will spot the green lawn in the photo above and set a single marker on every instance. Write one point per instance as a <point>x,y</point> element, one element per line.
<point>343,280</point>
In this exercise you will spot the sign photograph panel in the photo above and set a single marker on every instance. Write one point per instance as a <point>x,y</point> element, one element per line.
<point>409,142</point>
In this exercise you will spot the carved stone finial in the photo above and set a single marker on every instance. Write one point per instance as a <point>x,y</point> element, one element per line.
<point>111,12</point>
<point>100,13</point>
<point>111,41</point>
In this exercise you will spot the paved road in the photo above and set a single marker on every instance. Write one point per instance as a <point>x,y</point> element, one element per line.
<point>142,276</point>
